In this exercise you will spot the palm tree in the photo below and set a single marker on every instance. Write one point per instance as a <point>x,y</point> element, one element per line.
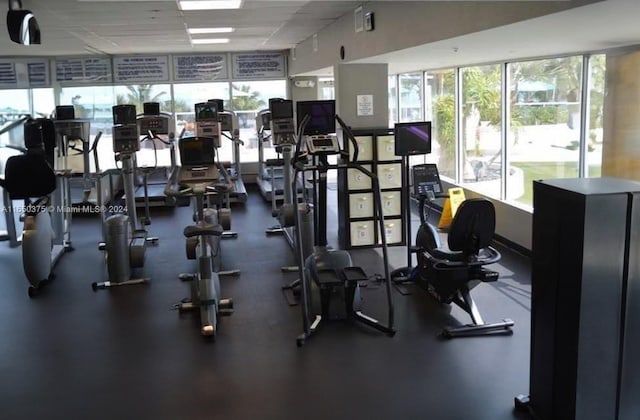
<point>245,100</point>
<point>139,94</point>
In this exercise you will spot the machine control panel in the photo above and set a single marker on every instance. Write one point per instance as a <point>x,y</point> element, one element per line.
<point>209,129</point>
<point>156,124</point>
<point>426,180</point>
<point>322,145</point>
<point>126,139</point>
<point>282,124</point>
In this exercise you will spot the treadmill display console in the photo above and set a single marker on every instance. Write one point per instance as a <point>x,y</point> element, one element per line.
<point>156,124</point>
<point>426,180</point>
<point>125,139</point>
<point>325,145</point>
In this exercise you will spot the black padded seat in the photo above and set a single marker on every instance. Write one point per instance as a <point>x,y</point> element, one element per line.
<point>28,176</point>
<point>206,230</point>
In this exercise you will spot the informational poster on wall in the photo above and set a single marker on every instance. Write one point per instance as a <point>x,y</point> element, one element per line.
<point>200,68</point>
<point>141,69</point>
<point>27,73</point>
<point>259,65</point>
<point>84,70</point>
<point>365,105</point>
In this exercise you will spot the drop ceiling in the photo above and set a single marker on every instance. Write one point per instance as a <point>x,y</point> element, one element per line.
<point>80,27</point>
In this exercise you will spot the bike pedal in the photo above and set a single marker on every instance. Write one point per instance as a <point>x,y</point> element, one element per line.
<point>187,277</point>
<point>225,312</point>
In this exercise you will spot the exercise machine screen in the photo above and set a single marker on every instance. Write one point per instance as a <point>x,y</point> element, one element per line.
<point>322,116</point>
<point>413,138</point>
<point>206,111</point>
<point>426,179</point>
<point>197,151</point>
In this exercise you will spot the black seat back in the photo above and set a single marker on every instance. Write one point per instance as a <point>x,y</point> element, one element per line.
<point>473,226</point>
<point>28,176</point>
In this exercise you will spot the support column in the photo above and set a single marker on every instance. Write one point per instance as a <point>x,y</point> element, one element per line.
<point>365,84</point>
<point>621,140</point>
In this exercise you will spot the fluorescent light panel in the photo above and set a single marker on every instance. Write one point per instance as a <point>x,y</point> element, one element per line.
<point>210,41</point>
<point>196,31</point>
<point>209,4</point>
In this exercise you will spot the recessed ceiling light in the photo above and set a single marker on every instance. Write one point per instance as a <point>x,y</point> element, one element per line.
<point>195,31</point>
<point>210,41</point>
<point>209,4</point>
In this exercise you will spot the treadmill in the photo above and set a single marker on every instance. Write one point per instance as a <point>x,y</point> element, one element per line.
<point>270,171</point>
<point>153,173</point>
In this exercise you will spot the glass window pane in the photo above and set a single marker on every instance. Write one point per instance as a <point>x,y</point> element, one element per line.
<point>94,103</point>
<point>247,99</point>
<point>393,100</point>
<point>13,104</point>
<point>187,95</point>
<point>544,131</point>
<point>440,110</point>
<point>481,129</point>
<point>596,112</point>
<point>43,102</point>
<point>326,88</point>
<point>411,104</point>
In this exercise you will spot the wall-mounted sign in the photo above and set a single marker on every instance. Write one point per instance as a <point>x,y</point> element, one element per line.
<point>202,67</point>
<point>84,70</point>
<point>24,73</point>
<point>365,105</point>
<point>141,69</point>
<point>259,65</point>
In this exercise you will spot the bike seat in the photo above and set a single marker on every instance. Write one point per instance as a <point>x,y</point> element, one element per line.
<point>274,162</point>
<point>205,230</point>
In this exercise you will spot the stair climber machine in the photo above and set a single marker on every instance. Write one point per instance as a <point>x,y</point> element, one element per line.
<point>125,241</point>
<point>230,128</point>
<point>284,139</point>
<point>198,177</point>
<point>329,282</point>
<point>155,128</point>
<point>28,176</point>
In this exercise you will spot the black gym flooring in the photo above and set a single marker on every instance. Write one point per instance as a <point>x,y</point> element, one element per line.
<point>72,353</point>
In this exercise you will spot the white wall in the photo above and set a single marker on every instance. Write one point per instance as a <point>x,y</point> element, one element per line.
<point>400,25</point>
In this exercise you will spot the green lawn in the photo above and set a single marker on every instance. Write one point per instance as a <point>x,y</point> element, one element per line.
<point>546,170</point>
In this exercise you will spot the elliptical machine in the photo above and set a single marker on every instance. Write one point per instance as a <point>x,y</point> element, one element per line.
<point>329,281</point>
<point>28,176</point>
<point>283,137</point>
<point>125,241</point>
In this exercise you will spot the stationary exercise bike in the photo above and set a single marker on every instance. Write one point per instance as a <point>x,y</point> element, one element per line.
<point>330,287</point>
<point>125,241</point>
<point>198,177</point>
<point>29,176</point>
<point>449,273</point>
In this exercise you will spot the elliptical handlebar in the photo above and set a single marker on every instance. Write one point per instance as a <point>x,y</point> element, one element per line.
<point>350,136</point>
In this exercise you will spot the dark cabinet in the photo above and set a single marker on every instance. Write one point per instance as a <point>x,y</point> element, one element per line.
<point>585,320</point>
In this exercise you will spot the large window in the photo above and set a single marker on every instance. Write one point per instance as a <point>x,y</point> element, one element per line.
<point>247,99</point>
<point>481,129</point>
<point>186,96</point>
<point>393,100</point>
<point>440,110</point>
<point>596,111</point>
<point>410,97</point>
<point>13,104</point>
<point>326,88</point>
<point>544,128</point>
<point>43,102</point>
<point>94,103</point>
